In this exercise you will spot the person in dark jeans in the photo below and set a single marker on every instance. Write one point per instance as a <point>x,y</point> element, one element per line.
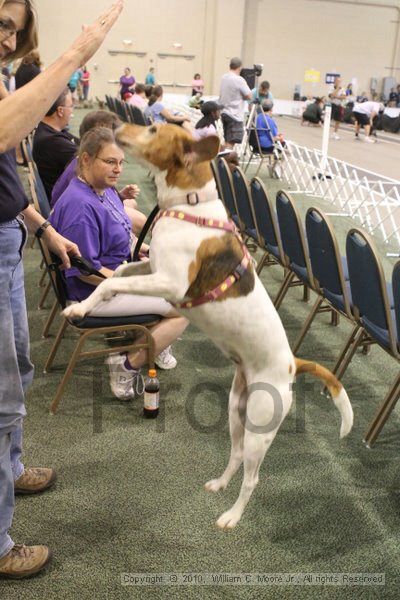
<point>19,114</point>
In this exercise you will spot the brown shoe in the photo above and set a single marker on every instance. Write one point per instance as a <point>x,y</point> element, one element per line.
<point>34,480</point>
<point>24,561</point>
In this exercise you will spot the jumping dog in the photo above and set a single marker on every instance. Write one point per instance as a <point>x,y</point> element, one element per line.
<point>199,264</point>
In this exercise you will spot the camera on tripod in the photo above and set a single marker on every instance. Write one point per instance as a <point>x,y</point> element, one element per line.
<point>252,74</point>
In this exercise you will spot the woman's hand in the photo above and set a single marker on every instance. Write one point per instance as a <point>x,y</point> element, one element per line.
<point>60,246</point>
<point>130,192</point>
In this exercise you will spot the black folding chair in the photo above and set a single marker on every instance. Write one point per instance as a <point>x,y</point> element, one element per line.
<point>267,226</point>
<point>91,327</point>
<point>247,220</point>
<point>228,193</point>
<point>329,270</point>
<point>372,305</point>
<point>295,248</point>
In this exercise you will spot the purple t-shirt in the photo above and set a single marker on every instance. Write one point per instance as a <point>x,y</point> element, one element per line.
<point>63,181</point>
<point>100,227</point>
<point>126,83</point>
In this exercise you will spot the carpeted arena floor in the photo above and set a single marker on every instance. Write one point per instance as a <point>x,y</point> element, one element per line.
<point>130,497</point>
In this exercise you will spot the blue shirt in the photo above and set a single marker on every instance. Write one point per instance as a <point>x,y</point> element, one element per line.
<point>150,79</point>
<point>266,137</point>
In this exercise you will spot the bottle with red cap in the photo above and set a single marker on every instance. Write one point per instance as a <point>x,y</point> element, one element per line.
<point>151,401</point>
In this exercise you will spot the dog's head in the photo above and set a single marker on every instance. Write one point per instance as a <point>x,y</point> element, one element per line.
<point>171,150</point>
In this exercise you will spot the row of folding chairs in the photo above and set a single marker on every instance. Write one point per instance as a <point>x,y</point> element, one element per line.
<point>88,329</point>
<point>126,112</point>
<point>352,286</point>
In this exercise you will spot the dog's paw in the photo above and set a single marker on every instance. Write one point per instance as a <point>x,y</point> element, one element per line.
<point>229,519</point>
<point>75,311</point>
<point>215,485</point>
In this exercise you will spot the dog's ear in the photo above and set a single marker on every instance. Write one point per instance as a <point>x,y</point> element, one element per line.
<point>204,150</point>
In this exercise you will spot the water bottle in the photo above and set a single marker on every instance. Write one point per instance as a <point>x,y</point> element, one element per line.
<point>151,399</point>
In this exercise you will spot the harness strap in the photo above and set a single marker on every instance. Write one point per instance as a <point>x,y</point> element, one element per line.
<point>239,271</point>
<point>201,221</point>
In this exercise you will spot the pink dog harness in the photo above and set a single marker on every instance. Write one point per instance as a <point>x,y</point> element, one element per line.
<point>229,226</point>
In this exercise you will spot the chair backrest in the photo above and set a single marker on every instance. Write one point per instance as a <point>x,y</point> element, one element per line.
<point>266,221</point>
<point>244,203</point>
<point>369,288</point>
<point>228,193</point>
<point>214,169</point>
<point>326,261</point>
<point>38,192</point>
<point>293,238</point>
<point>57,277</point>
<point>136,115</point>
<point>121,109</point>
<point>396,296</point>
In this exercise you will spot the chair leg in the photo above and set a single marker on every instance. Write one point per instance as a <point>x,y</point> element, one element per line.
<point>44,295</point>
<point>259,166</point>
<point>347,360</point>
<point>67,375</point>
<point>283,289</point>
<point>248,163</point>
<point>261,264</point>
<point>50,319</point>
<point>43,278</point>
<point>335,318</point>
<point>306,293</point>
<point>307,324</point>
<point>383,413</point>
<point>54,349</point>
<point>345,348</point>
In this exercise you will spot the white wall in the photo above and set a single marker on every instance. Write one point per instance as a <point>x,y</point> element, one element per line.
<point>295,35</point>
<point>288,36</point>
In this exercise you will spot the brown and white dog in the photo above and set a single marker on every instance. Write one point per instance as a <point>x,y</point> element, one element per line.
<point>188,260</point>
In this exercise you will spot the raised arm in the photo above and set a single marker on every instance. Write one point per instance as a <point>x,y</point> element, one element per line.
<point>25,108</point>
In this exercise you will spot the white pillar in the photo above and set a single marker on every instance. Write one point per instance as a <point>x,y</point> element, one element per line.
<point>325,137</point>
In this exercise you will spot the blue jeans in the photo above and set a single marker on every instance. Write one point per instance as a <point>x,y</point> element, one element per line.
<point>16,370</point>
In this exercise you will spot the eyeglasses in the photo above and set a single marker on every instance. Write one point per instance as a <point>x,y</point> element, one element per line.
<point>112,162</point>
<point>7,30</point>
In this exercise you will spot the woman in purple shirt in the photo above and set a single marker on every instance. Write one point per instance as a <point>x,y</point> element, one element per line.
<point>90,213</point>
<point>127,81</point>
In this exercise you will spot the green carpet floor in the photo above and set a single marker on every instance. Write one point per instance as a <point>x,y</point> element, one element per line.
<point>130,495</point>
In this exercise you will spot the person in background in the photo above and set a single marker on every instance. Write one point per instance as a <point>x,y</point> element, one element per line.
<point>393,97</point>
<point>267,129</point>
<point>139,97</point>
<point>90,213</point>
<point>313,113</point>
<point>85,83</point>
<point>157,112</point>
<point>53,145</point>
<point>363,97</point>
<point>150,77</point>
<point>338,99</point>
<point>29,68</point>
<point>364,114</point>
<point>19,114</point>
<point>73,84</point>
<point>349,89</point>
<point>233,94</point>
<point>195,101</point>
<point>197,84</point>
<point>126,81</point>
<point>127,194</point>
<point>207,124</point>
<point>262,93</point>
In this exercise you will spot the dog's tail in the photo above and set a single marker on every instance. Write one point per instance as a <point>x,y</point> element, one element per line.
<point>336,389</point>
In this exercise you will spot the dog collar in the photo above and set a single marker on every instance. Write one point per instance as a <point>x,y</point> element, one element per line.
<point>239,271</point>
<point>193,198</point>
